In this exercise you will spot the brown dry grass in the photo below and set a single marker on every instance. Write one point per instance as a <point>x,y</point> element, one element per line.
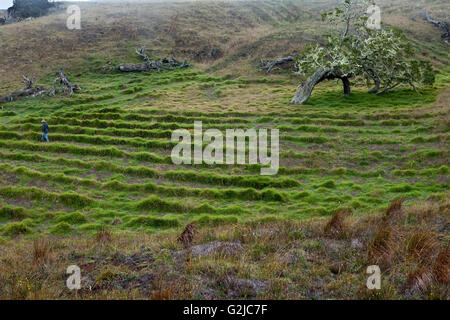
<point>272,260</point>
<point>420,279</point>
<point>187,236</point>
<point>337,227</point>
<point>422,245</point>
<point>103,236</point>
<point>394,212</point>
<point>441,267</point>
<point>384,247</point>
<point>41,251</point>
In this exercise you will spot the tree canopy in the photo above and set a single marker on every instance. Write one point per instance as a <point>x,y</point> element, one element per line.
<point>385,56</point>
<point>29,8</point>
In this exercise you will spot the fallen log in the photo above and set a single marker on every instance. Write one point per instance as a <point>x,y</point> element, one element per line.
<point>29,91</point>
<point>443,25</point>
<point>277,63</point>
<point>150,65</point>
<point>22,93</point>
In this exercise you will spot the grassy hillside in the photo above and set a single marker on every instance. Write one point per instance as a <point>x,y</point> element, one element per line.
<point>229,36</point>
<point>107,172</point>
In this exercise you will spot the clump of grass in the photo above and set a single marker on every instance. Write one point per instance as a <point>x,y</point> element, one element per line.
<point>425,277</point>
<point>162,292</point>
<point>106,275</point>
<point>92,226</point>
<point>149,221</point>
<point>441,267</point>
<point>383,248</point>
<point>422,245</point>
<point>103,236</point>
<point>394,212</point>
<point>72,218</point>
<point>116,221</point>
<point>11,212</point>
<point>153,203</point>
<point>401,188</point>
<point>187,236</point>
<point>33,193</point>
<point>75,199</point>
<point>41,251</point>
<point>336,227</point>
<point>419,280</point>
<point>16,228</point>
<point>330,184</point>
<point>210,220</point>
<point>61,229</point>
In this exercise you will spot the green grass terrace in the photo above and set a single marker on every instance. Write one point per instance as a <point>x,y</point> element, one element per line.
<point>108,164</point>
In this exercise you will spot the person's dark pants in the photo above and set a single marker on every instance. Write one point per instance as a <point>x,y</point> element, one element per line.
<point>44,135</point>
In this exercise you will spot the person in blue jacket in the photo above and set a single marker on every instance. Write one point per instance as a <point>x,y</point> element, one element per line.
<point>44,131</point>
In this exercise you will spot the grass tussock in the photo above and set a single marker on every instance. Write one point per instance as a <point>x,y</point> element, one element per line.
<point>337,226</point>
<point>103,236</point>
<point>422,245</point>
<point>186,238</point>
<point>441,267</point>
<point>384,247</point>
<point>41,251</point>
<point>394,212</point>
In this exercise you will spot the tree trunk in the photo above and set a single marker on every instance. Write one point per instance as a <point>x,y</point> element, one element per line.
<point>346,84</point>
<point>129,67</point>
<point>304,91</point>
<point>375,79</point>
<point>21,93</point>
<point>377,85</point>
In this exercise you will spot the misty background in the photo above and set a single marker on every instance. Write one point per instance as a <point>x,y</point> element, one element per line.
<point>5,4</point>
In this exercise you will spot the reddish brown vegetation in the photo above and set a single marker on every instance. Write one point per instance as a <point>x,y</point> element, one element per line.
<point>336,227</point>
<point>187,236</point>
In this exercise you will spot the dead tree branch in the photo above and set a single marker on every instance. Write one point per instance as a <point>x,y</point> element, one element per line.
<point>277,63</point>
<point>150,65</point>
<point>64,83</point>
<point>28,82</point>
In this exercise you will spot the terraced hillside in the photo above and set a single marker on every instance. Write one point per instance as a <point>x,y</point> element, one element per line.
<point>108,164</point>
